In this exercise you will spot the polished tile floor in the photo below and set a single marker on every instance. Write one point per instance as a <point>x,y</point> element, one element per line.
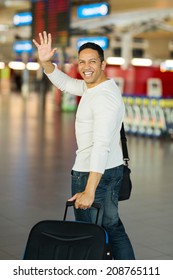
<point>37,150</point>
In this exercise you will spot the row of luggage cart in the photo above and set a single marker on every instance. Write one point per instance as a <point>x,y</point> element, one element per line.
<point>148,116</point>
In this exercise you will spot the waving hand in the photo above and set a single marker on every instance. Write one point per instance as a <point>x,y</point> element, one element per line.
<point>45,51</point>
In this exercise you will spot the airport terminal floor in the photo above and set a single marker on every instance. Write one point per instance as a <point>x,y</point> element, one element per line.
<point>37,150</point>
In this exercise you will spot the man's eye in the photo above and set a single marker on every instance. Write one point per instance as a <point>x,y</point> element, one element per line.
<point>93,61</point>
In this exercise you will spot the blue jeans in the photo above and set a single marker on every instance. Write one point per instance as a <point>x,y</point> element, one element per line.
<point>107,195</point>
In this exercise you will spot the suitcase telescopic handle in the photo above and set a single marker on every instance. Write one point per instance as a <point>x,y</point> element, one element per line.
<point>72,203</point>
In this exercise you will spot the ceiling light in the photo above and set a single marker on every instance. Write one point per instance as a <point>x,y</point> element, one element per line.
<point>141,62</point>
<point>12,3</point>
<point>112,60</point>
<point>16,65</point>
<point>167,65</point>
<point>2,65</point>
<point>33,66</point>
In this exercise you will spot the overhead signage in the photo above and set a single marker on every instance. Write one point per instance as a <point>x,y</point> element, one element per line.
<point>22,19</point>
<point>103,42</point>
<point>54,17</point>
<point>20,47</point>
<point>93,10</point>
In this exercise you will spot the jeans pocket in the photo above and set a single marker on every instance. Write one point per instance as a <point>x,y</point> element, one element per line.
<point>79,181</point>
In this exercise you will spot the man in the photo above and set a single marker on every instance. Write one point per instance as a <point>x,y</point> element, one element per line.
<point>98,168</point>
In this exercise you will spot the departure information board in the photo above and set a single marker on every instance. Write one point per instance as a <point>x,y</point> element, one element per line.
<point>52,16</point>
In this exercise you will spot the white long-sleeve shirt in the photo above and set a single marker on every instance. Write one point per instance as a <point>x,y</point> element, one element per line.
<point>98,122</point>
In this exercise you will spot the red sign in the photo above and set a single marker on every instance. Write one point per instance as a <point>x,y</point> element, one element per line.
<point>52,16</point>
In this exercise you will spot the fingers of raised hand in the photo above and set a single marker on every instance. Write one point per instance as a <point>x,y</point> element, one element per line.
<point>45,39</point>
<point>41,38</point>
<point>35,43</point>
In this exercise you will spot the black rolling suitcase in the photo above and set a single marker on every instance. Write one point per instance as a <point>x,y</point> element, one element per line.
<point>67,240</point>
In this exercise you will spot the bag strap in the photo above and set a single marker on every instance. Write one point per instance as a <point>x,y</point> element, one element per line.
<point>124,145</point>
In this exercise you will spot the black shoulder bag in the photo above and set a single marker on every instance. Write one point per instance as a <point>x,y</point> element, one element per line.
<point>126,185</point>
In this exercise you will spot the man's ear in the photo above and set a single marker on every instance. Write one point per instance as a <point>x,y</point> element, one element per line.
<point>103,64</point>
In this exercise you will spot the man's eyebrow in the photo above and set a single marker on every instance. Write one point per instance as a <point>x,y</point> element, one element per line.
<point>94,58</point>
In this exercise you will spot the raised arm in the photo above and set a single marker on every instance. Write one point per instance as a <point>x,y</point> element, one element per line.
<point>58,78</point>
<point>45,51</point>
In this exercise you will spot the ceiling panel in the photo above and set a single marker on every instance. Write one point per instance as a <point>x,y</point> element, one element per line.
<point>118,8</point>
<point>127,5</point>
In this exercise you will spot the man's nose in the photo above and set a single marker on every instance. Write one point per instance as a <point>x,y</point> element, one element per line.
<point>87,65</point>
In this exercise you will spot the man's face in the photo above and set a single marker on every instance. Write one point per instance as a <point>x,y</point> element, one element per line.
<point>90,67</point>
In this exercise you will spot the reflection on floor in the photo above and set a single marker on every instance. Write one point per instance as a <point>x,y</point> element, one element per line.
<point>37,150</point>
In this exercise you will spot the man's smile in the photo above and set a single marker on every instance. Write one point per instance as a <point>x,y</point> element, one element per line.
<point>88,73</point>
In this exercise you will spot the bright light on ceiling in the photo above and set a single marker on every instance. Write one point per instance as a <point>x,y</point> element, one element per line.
<point>16,65</point>
<point>115,60</point>
<point>141,62</point>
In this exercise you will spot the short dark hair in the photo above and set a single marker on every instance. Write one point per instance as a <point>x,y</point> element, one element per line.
<point>93,46</point>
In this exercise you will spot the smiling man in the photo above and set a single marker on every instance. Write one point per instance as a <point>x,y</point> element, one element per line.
<point>98,169</point>
<point>91,64</point>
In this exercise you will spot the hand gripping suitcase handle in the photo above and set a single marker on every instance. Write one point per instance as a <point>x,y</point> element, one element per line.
<point>72,203</point>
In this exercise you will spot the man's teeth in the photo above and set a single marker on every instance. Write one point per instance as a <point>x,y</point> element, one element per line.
<point>88,73</point>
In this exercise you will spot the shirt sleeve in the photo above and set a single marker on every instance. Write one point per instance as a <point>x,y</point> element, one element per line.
<point>108,114</point>
<point>65,83</point>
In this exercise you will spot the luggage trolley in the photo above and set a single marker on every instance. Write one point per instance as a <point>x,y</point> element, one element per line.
<point>67,240</point>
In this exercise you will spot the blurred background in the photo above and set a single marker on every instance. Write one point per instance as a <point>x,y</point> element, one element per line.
<point>37,141</point>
